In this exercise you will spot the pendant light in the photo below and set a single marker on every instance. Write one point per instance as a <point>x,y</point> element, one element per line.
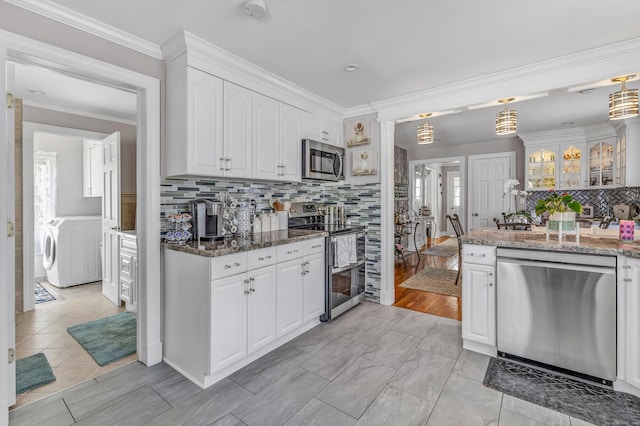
<point>506,120</point>
<point>425,131</point>
<point>623,104</point>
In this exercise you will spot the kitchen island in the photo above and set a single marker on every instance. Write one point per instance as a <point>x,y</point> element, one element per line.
<point>227,303</point>
<point>481,315</point>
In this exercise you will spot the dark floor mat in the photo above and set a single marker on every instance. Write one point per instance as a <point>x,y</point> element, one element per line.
<point>581,400</point>
<point>32,372</point>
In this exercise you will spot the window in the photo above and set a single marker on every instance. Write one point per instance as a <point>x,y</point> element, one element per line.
<point>456,191</point>
<point>44,195</point>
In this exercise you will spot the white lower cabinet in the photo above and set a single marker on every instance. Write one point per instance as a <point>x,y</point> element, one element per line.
<point>290,296</point>
<point>479,298</point>
<point>220,314</point>
<point>628,325</point>
<point>128,258</point>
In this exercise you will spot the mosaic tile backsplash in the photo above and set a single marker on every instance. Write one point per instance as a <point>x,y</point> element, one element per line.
<point>602,200</point>
<point>361,202</point>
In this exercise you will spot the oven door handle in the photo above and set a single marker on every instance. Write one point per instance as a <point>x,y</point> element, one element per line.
<point>554,265</point>
<point>334,249</point>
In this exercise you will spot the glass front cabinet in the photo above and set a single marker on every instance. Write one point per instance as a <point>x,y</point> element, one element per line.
<point>572,166</point>
<point>541,168</point>
<point>601,163</point>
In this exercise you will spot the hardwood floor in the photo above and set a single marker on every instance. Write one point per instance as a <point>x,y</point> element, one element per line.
<point>424,301</point>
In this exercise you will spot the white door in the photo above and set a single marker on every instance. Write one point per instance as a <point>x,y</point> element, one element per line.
<point>238,130</point>
<point>488,175</point>
<point>228,321</point>
<point>266,136</point>
<point>314,287</point>
<point>7,246</point>
<point>479,309</point>
<point>111,217</point>
<point>290,296</point>
<point>453,198</point>
<point>290,143</point>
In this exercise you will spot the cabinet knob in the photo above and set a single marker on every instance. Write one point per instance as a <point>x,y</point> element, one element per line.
<point>626,266</point>
<point>490,274</point>
<point>490,284</point>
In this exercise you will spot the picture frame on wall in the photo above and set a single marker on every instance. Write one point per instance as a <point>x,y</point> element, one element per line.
<point>358,133</point>
<point>364,162</point>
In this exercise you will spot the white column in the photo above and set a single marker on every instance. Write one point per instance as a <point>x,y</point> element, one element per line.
<point>387,290</point>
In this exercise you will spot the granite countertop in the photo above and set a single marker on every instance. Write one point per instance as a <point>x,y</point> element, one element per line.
<point>537,241</point>
<point>245,243</point>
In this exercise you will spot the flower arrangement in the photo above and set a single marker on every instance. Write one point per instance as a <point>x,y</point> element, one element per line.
<point>558,203</point>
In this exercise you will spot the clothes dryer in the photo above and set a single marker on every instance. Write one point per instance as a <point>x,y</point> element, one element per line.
<point>72,250</point>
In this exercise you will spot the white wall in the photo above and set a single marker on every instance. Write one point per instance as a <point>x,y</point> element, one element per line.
<point>69,198</point>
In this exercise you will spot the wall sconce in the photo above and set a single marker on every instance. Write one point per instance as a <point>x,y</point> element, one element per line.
<point>623,104</point>
<point>506,120</point>
<point>425,131</point>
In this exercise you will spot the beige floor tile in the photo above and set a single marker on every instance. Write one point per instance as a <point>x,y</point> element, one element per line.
<point>39,341</point>
<point>23,353</point>
<point>58,356</point>
<point>80,357</point>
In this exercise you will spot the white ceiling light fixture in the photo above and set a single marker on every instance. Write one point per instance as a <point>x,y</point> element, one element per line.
<point>255,8</point>
<point>623,104</point>
<point>351,67</point>
<point>425,131</point>
<point>506,120</point>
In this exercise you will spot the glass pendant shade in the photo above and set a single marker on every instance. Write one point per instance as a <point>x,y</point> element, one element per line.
<point>506,120</point>
<point>425,132</point>
<point>623,104</point>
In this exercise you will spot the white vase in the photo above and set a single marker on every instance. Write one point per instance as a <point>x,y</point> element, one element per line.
<point>566,219</point>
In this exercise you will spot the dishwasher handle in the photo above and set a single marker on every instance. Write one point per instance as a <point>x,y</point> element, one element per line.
<point>555,265</point>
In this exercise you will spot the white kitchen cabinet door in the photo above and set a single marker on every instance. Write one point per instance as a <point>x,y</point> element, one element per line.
<point>479,307</point>
<point>314,287</point>
<point>321,129</point>
<point>261,310</point>
<point>194,140</point>
<point>289,167</point>
<point>266,137</point>
<point>633,322</point>
<point>290,296</point>
<point>228,321</point>
<point>238,131</point>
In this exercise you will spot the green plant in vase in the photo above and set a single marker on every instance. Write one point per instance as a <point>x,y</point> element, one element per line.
<point>562,209</point>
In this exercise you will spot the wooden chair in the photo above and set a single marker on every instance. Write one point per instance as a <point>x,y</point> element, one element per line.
<point>457,228</point>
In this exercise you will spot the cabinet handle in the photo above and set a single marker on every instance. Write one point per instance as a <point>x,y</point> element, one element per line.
<point>261,258</point>
<point>324,132</point>
<point>251,280</point>
<point>490,274</point>
<point>626,266</point>
<point>231,266</point>
<point>222,167</point>
<point>268,256</point>
<point>490,284</point>
<point>246,291</point>
<point>627,280</point>
<point>228,164</point>
<point>292,251</point>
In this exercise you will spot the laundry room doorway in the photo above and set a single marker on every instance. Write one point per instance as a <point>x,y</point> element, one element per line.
<point>63,219</point>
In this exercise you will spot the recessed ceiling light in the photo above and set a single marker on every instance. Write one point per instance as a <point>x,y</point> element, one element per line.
<point>567,123</point>
<point>351,67</point>
<point>36,92</point>
<point>586,91</point>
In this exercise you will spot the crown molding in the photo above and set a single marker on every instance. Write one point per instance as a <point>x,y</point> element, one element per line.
<point>76,20</point>
<point>359,110</point>
<point>187,48</point>
<point>582,67</point>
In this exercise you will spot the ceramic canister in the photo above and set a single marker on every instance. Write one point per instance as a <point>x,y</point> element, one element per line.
<point>626,230</point>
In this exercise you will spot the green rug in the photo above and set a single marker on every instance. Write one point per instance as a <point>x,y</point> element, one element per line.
<point>32,372</point>
<point>107,339</point>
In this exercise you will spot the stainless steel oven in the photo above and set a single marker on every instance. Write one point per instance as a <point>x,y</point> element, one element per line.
<point>345,257</point>
<point>321,161</point>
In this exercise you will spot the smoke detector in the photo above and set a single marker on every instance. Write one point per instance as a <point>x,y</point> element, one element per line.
<point>255,8</point>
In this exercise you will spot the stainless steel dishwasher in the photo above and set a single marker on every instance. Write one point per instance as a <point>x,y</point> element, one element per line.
<point>558,310</point>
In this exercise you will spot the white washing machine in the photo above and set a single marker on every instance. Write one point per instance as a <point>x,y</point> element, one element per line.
<point>72,250</point>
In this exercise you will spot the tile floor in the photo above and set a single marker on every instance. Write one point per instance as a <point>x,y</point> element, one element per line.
<point>375,365</point>
<point>45,330</point>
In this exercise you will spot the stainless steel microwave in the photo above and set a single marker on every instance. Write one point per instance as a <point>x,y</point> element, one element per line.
<point>321,161</point>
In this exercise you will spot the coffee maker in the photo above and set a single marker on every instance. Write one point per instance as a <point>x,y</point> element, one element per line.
<point>207,218</point>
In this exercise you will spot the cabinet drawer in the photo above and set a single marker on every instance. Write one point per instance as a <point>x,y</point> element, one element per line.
<point>225,266</point>
<point>314,246</point>
<point>482,255</point>
<point>128,243</point>
<point>290,251</point>
<point>261,257</point>
<point>126,290</point>
<point>126,265</point>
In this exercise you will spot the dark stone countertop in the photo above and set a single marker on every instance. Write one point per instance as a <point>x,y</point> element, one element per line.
<point>245,243</point>
<point>588,244</point>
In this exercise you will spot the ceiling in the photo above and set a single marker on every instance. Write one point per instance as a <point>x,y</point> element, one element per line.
<point>401,47</point>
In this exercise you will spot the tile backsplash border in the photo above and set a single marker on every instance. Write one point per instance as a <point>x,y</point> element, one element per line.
<point>361,202</point>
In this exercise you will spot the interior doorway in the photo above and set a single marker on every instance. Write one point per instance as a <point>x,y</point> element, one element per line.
<point>63,262</point>
<point>147,91</point>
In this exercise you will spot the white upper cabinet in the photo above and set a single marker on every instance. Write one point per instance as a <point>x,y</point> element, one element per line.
<point>266,132</point>
<point>321,129</point>
<point>236,154</point>
<point>277,140</point>
<point>627,153</point>
<point>194,135</point>
<point>290,161</point>
<point>91,168</point>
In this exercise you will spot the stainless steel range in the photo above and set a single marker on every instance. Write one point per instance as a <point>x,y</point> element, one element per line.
<point>345,254</point>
